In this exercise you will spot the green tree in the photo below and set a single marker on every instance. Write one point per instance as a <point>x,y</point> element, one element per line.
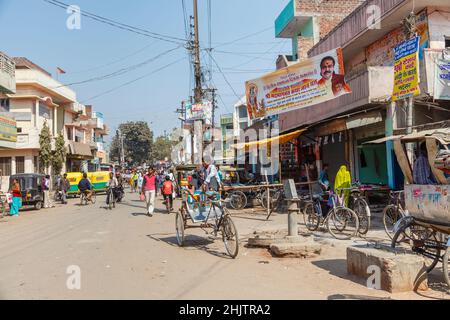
<point>45,154</point>
<point>137,142</point>
<point>162,148</point>
<point>59,154</point>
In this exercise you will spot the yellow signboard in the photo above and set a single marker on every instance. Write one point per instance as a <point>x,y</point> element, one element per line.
<point>406,70</point>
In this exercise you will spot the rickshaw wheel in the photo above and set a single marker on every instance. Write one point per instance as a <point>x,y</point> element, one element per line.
<point>38,205</point>
<point>445,262</point>
<point>180,226</point>
<point>422,240</point>
<point>230,236</point>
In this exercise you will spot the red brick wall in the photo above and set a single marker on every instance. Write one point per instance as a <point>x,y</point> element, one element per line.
<point>304,44</point>
<point>328,12</point>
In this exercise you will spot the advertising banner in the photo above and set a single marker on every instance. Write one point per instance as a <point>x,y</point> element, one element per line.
<point>442,80</point>
<point>406,70</point>
<point>200,111</point>
<point>307,83</point>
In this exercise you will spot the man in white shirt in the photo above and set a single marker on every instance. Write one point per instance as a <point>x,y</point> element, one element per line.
<point>212,180</point>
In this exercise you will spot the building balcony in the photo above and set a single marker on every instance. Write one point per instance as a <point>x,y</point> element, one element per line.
<point>373,85</point>
<point>289,23</point>
<point>353,33</point>
<point>7,74</point>
<point>59,93</point>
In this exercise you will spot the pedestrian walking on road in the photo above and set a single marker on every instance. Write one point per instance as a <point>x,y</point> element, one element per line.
<point>46,189</point>
<point>64,186</point>
<point>149,190</point>
<point>16,198</point>
<point>140,181</point>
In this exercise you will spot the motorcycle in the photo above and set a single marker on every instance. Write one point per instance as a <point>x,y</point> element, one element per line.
<point>120,194</point>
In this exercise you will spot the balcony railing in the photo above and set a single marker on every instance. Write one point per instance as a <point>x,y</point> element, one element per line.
<point>354,24</point>
<point>7,74</point>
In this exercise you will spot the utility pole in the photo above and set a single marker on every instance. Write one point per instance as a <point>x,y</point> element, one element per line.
<point>197,68</point>
<point>409,25</point>
<point>198,92</point>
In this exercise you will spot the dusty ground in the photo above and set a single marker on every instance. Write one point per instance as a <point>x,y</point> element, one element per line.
<point>124,254</point>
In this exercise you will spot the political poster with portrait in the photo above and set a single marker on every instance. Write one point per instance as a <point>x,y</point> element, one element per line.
<point>406,70</point>
<point>304,84</point>
<point>442,80</point>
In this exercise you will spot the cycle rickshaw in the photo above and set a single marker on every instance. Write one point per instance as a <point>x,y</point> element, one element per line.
<point>205,210</point>
<point>426,224</point>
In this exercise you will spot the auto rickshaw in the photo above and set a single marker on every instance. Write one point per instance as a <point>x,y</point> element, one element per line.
<point>74,178</point>
<point>30,185</point>
<point>230,175</point>
<point>181,174</point>
<point>99,181</point>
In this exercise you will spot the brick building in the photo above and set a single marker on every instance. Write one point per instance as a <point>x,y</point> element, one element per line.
<point>306,22</point>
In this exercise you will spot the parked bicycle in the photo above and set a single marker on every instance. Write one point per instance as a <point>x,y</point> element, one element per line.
<point>359,205</point>
<point>394,211</point>
<point>341,222</point>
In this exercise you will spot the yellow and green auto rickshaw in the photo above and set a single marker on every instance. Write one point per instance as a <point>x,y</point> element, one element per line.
<point>99,180</point>
<point>74,178</point>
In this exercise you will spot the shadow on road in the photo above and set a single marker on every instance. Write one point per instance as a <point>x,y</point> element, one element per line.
<point>355,297</point>
<point>191,242</point>
<point>237,216</point>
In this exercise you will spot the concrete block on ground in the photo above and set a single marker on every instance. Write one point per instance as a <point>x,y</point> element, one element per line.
<point>400,272</point>
<point>299,249</point>
<point>261,240</point>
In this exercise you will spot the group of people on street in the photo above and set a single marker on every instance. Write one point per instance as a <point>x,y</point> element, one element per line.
<point>206,177</point>
<point>154,181</point>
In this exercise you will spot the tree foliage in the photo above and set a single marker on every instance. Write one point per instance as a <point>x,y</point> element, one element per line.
<point>162,148</point>
<point>137,141</point>
<point>59,154</point>
<point>45,154</point>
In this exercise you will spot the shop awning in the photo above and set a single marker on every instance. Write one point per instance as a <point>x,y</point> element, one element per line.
<point>383,140</point>
<point>442,135</point>
<point>80,149</point>
<point>278,139</point>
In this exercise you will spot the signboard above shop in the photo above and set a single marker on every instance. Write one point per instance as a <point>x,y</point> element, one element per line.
<point>304,84</point>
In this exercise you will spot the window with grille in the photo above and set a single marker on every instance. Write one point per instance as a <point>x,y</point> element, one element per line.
<point>20,164</point>
<point>5,166</point>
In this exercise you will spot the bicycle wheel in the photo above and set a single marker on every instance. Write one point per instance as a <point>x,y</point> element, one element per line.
<point>94,197</point>
<point>391,215</point>
<point>342,223</point>
<point>110,200</point>
<point>311,217</point>
<point>445,266</point>
<point>274,198</point>
<point>180,226</point>
<point>230,236</point>
<point>422,240</point>
<point>362,209</point>
<point>238,200</point>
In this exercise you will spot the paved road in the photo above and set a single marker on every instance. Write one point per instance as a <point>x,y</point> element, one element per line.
<point>124,254</point>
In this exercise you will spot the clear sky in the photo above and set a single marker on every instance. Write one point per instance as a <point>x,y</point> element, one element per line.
<point>37,30</point>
